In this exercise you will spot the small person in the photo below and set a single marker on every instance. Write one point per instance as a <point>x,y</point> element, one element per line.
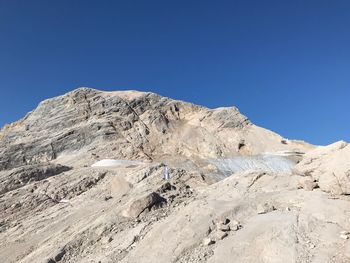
<point>166,173</point>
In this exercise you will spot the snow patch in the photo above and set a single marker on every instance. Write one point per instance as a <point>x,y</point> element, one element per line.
<point>114,163</point>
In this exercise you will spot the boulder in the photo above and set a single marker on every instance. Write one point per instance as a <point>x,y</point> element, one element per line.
<point>136,207</point>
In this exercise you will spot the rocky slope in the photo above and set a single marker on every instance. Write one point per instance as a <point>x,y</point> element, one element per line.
<point>236,193</point>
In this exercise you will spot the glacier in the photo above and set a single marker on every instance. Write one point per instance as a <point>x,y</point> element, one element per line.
<point>263,162</point>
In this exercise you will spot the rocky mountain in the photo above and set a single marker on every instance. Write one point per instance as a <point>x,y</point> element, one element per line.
<point>82,179</point>
<point>131,125</point>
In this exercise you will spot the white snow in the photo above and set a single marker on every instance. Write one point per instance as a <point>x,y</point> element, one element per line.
<point>113,163</point>
<point>266,163</point>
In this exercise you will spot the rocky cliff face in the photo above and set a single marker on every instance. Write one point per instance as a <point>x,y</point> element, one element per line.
<point>82,180</point>
<point>129,125</point>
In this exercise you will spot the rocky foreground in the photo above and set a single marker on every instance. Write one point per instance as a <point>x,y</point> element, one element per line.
<point>236,193</point>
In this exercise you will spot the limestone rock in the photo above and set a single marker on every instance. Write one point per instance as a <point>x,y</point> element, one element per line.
<point>136,207</point>
<point>330,166</point>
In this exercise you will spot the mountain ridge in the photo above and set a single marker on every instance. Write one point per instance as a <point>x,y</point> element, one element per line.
<point>89,115</point>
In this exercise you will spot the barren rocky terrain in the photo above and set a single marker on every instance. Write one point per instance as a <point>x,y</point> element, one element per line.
<point>82,180</point>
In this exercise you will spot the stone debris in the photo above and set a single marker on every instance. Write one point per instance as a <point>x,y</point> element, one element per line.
<point>222,226</point>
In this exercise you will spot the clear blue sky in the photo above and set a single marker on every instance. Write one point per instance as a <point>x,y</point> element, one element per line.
<point>284,64</point>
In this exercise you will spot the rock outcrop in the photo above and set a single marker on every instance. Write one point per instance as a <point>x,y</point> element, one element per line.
<point>328,166</point>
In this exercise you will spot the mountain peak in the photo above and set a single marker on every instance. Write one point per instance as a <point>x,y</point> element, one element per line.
<point>133,125</point>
